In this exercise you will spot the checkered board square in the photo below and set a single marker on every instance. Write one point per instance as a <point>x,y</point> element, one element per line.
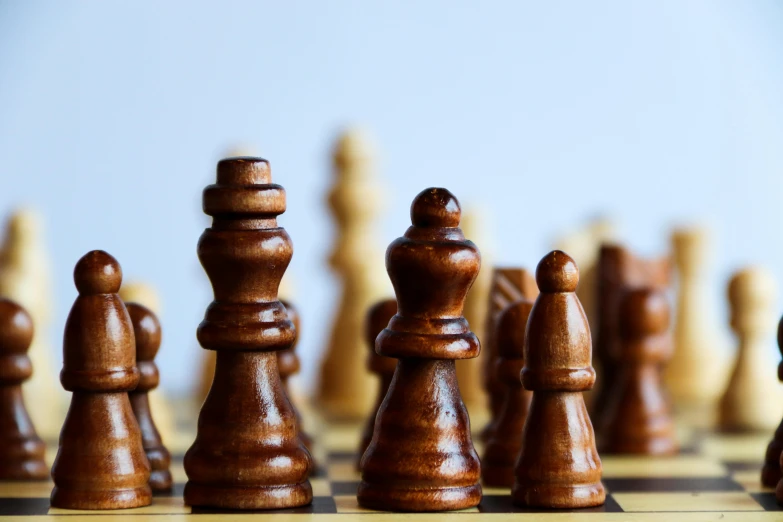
<point>715,478</point>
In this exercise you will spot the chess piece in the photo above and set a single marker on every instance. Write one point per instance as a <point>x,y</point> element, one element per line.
<point>21,451</point>
<point>421,457</point>
<point>505,442</point>
<point>345,388</point>
<point>288,365</point>
<point>639,418</point>
<point>558,465</point>
<point>247,453</point>
<point>752,400</point>
<point>469,370</point>
<point>618,271</point>
<point>771,472</point>
<point>100,463</point>
<point>508,286</point>
<point>378,317</point>
<point>700,366</point>
<point>165,419</point>
<point>146,331</point>
<point>25,277</point>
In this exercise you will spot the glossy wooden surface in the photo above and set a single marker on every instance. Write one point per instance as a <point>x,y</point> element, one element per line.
<point>288,365</point>
<point>378,317</point>
<point>421,457</point>
<point>247,453</point>
<point>21,451</point>
<point>558,465</point>
<point>100,463</point>
<point>505,442</point>
<point>771,473</point>
<point>146,331</point>
<point>638,420</point>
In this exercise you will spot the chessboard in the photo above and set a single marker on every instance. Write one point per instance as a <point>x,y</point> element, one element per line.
<point>715,477</point>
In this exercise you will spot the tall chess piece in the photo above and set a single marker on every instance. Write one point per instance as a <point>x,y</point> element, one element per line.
<point>101,462</point>
<point>771,472</point>
<point>752,400</point>
<point>558,466</point>
<point>288,365</point>
<point>345,390</point>
<point>378,318</point>
<point>421,457</point>
<point>247,453</point>
<point>505,441</point>
<point>25,277</point>
<point>21,451</point>
<point>639,419</point>
<point>146,331</point>
<point>700,365</point>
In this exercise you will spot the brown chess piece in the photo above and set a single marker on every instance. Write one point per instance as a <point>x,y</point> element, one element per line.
<point>288,365</point>
<point>421,457</point>
<point>508,285</point>
<point>146,331</point>
<point>502,449</point>
<point>558,465</point>
<point>639,419</point>
<point>21,451</point>
<point>101,462</point>
<point>247,453</point>
<point>378,317</point>
<point>771,472</point>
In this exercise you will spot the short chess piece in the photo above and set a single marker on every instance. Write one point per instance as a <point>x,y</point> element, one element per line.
<point>378,318</point>
<point>639,419</point>
<point>558,466</point>
<point>100,463</point>
<point>421,456</point>
<point>146,331</point>
<point>771,472</point>
<point>247,453</point>
<point>21,451</point>
<point>288,365</point>
<point>505,441</point>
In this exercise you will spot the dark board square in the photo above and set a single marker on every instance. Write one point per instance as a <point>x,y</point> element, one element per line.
<point>341,455</point>
<point>176,491</point>
<point>767,501</point>
<point>16,507</point>
<point>627,485</point>
<point>743,465</point>
<point>320,505</point>
<point>344,488</point>
<point>319,472</point>
<point>503,504</point>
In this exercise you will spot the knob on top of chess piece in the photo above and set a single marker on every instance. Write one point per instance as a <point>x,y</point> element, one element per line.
<point>16,334</point>
<point>97,273</point>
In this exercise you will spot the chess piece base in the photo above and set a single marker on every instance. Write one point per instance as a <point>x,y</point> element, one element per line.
<point>559,497</point>
<point>388,498</point>
<point>105,499</point>
<point>271,497</point>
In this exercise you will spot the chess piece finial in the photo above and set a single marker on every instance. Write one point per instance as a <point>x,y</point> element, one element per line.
<point>505,441</point>
<point>21,451</point>
<point>421,457</point>
<point>752,399</point>
<point>247,453</point>
<point>557,370</point>
<point>773,460</point>
<point>639,419</point>
<point>378,317</point>
<point>146,331</point>
<point>288,365</point>
<point>100,463</point>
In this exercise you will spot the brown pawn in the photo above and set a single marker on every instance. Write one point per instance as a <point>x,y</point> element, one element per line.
<point>378,317</point>
<point>558,465</point>
<point>500,454</point>
<point>101,462</point>
<point>639,419</point>
<point>146,330</point>
<point>288,365</point>
<point>21,451</point>
<point>247,453</point>
<point>773,461</point>
<point>421,457</point>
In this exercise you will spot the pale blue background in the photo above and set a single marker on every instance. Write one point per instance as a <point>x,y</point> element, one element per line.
<point>112,115</point>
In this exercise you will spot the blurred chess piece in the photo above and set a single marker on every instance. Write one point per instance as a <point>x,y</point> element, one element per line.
<point>699,367</point>
<point>469,370</point>
<point>25,277</point>
<point>163,413</point>
<point>753,400</point>
<point>346,388</point>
